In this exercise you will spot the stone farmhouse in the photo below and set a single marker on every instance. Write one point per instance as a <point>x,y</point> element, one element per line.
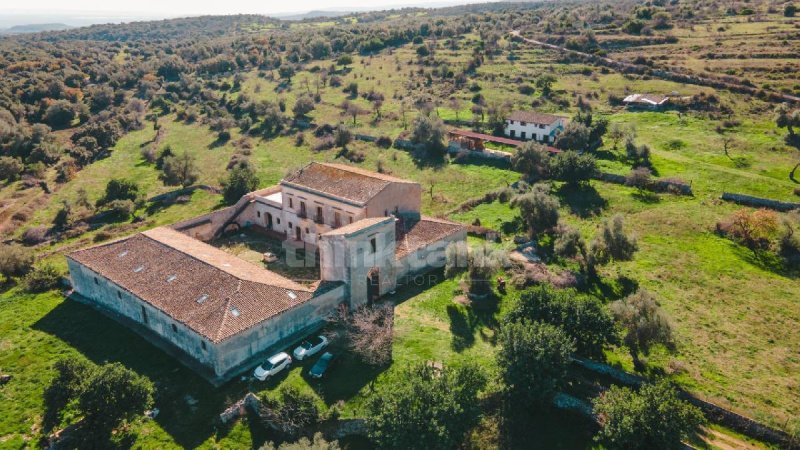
<point>220,314</point>
<point>531,125</point>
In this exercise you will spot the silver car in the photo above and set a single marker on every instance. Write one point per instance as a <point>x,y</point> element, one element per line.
<point>272,366</point>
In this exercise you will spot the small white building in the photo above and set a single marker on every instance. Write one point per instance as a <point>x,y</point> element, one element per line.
<point>531,125</point>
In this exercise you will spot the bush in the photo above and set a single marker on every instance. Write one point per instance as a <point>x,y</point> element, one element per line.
<point>119,189</point>
<point>654,417</point>
<point>644,322</point>
<point>34,235</point>
<point>15,261</point>
<point>122,209</point>
<point>789,10</point>
<point>538,209</point>
<point>612,243</point>
<point>43,278</point>
<point>384,142</point>
<point>303,106</point>
<point>179,170</point>
<point>640,178</point>
<point>10,168</point>
<point>342,136</point>
<point>429,132</point>
<point>753,229</point>
<point>291,411</point>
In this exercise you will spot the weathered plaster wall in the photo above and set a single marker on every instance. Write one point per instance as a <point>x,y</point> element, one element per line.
<point>402,197</point>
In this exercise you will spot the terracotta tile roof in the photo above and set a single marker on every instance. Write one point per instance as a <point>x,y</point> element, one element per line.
<point>213,293</point>
<point>534,117</point>
<point>357,226</point>
<point>341,181</point>
<point>411,235</point>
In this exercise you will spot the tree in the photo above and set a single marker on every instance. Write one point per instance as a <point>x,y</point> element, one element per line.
<point>753,229</point>
<point>429,132</point>
<point>71,377</point>
<point>644,322</point>
<point>345,60</point>
<point>572,167</point>
<point>112,395</point>
<point>612,244</point>
<point>455,104</point>
<point>291,411</point>
<point>60,114</point>
<point>654,417</point>
<point>639,155</point>
<point>120,189</point>
<point>353,109</point>
<point>303,106</point>
<point>426,408</point>
<point>584,319</point>
<point>15,260</point>
<point>574,137</point>
<point>616,133</point>
<point>545,84</point>
<point>369,333</point>
<point>482,263</point>
<point>530,159</point>
<point>242,179</point>
<point>342,136</point>
<point>179,170</point>
<point>789,10</point>
<point>532,360</point>
<point>538,209</point>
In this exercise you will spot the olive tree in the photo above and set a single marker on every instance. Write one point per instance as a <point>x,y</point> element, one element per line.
<point>644,322</point>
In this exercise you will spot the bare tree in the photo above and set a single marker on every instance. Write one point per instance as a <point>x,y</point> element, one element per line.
<point>368,332</point>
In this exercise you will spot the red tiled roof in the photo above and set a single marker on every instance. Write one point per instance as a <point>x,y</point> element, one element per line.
<point>215,294</point>
<point>341,181</point>
<point>357,226</point>
<point>411,235</point>
<point>534,117</point>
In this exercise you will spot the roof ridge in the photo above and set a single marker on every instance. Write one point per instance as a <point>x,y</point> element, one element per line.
<point>226,307</point>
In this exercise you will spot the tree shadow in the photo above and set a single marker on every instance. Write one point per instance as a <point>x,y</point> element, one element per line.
<point>584,201</point>
<point>466,320</point>
<point>218,142</point>
<point>610,290</point>
<point>648,197</point>
<point>767,261</point>
<point>101,339</point>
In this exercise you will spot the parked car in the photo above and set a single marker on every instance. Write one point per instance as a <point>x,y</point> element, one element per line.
<point>310,347</point>
<point>322,365</point>
<point>272,366</point>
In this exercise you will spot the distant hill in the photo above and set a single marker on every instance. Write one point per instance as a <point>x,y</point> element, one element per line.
<point>35,28</point>
<point>315,15</point>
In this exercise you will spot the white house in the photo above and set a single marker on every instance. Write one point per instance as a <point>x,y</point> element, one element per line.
<point>531,125</point>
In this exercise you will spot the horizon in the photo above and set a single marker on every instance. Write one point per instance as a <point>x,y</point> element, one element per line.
<point>88,12</point>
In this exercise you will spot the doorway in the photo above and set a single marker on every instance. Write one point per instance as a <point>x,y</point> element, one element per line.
<point>298,234</point>
<point>373,286</point>
<point>269,221</point>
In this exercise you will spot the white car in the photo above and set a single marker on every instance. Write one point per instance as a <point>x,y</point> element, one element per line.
<point>310,347</point>
<point>272,366</point>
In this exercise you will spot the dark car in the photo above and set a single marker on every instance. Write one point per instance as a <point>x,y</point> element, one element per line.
<point>322,365</point>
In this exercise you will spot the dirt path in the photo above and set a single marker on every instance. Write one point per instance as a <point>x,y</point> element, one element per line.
<point>723,441</point>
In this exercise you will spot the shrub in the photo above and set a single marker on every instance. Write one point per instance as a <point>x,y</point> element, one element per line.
<point>43,278</point>
<point>429,132</point>
<point>179,170</point>
<point>640,178</point>
<point>530,160</point>
<point>753,229</point>
<point>241,180</point>
<point>10,168</point>
<point>573,168</point>
<point>15,260</point>
<point>121,208</point>
<point>384,142</point>
<point>342,136</point>
<point>482,263</point>
<point>612,243</point>
<point>291,411</point>
<point>70,380</point>
<point>34,235</point>
<point>538,209</point>
<point>119,189</point>
<point>303,106</point>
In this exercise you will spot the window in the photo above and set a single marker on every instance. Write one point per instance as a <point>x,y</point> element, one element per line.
<point>373,244</point>
<point>174,328</point>
<point>258,214</point>
<point>144,315</point>
<point>337,219</point>
<point>96,281</point>
<point>279,221</point>
<point>522,135</point>
<point>306,230</point>
<point>119,294</point>
<point>291,203</point>
<point>351,219</point>
<point>138,269</point>
<point>303,208</point>
<point>203,344</point>
<point>523,123</point>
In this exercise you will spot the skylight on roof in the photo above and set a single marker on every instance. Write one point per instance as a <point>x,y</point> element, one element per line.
<point>138,269</point>
<point>235,312</point>
<point>202,298</point>
<point>124,252</point>
<point>172,278</point>
<point>291,295</point>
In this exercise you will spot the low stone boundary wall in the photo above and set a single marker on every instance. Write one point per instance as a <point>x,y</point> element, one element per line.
<point>759,202</point>
<point>365,137</point>
<point>713,412</point>
<point>656,185</point>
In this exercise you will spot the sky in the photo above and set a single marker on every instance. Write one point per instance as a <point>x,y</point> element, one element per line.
<point>198,7</point>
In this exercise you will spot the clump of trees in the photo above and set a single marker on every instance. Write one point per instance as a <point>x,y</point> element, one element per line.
<point>652,417</point>
<point>426,407</point>
<point>764,232</point>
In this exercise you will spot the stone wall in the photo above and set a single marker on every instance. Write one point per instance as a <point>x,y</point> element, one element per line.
<point>427,258</point>
<point>758,202</point>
